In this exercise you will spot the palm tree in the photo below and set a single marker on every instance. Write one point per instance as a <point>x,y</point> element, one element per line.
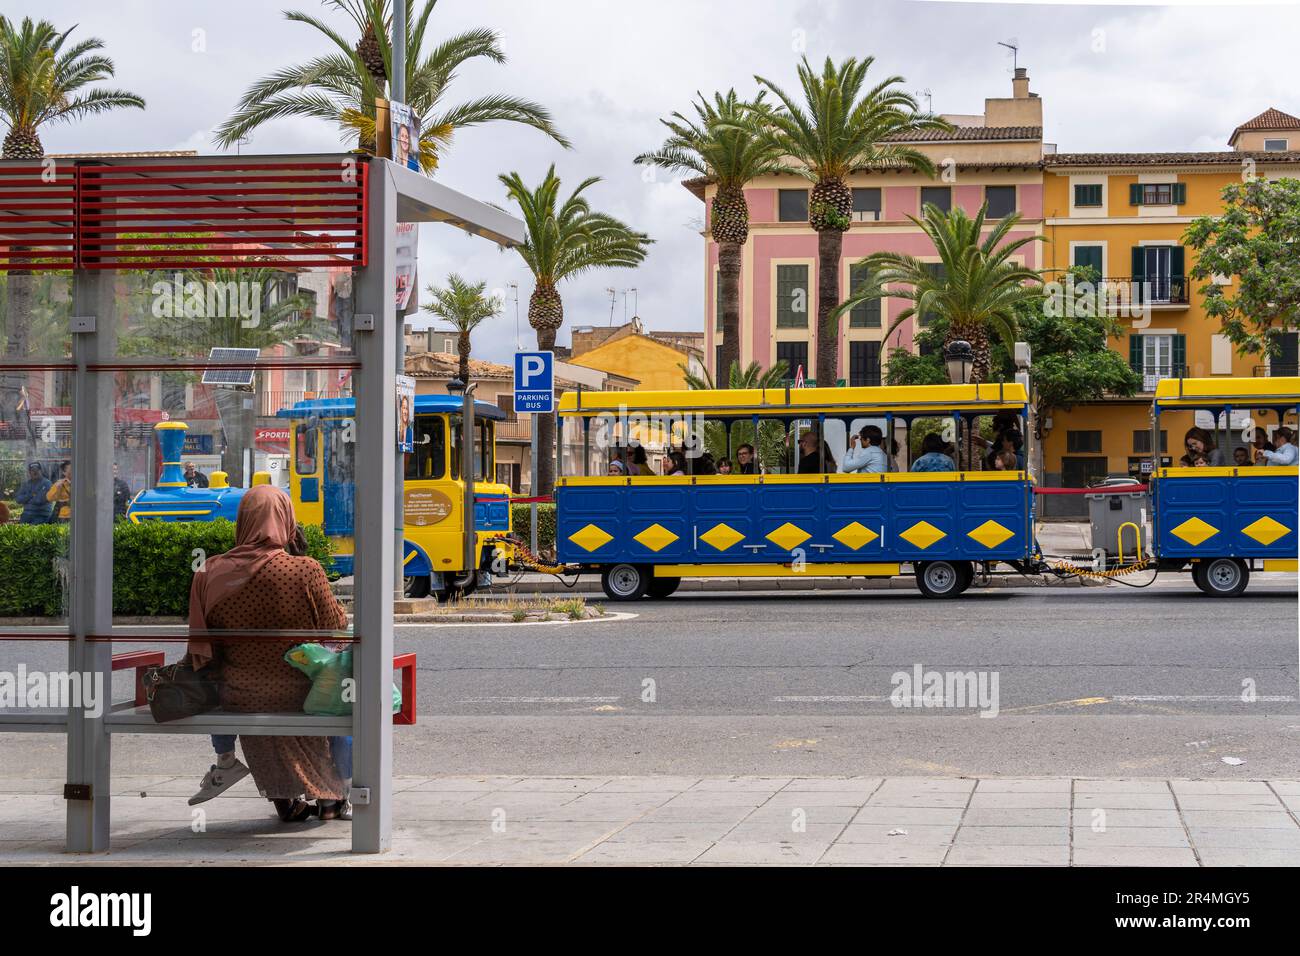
<point>563,240</point>
<point>838,127</point>
<point>730,151</point>
<point>43,79</point>
<point>41,82</point>
<point>978,290</point>
<point>769,443</point>
<point>342,87</point>
<point>464,306</point>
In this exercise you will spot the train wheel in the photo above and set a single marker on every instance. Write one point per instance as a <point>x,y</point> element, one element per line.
<point>625,582</point>
<point>458,586</point>
<point>939,579</point>
<point>416,587</point>
<point>1198,576</point>
<point>967,571</point>
<point>662,587</point>
<point>1225,577</point>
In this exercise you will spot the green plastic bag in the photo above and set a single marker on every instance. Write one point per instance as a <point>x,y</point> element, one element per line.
<point>328,670</point>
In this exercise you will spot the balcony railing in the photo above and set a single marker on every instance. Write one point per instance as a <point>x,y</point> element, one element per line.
<point>1274,369</point>
<point>1151,374</point>
<point>521,429</point>
<point>1147,290</point>
<point>271,401</point>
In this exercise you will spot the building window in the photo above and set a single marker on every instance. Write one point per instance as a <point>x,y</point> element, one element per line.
<point>1142,441</point>
<point>940,272</point>
<point>507,405</point>
<point>1089,257</point>
<point>1001,201</point>
<point>1080,472</point>
<point>1157,356</point>
<point>1159,274</point>
<point>1275,146</point>
<point>866,315</point>
<point>940,196</point>
<point>792,205</point>
<point>1157,194</point>
<point>864,363</point>
<point>866,205</point>
<point>1087,194</point>
<point>1083,442</point>
<point>792,297</point>
<point>795,356</point>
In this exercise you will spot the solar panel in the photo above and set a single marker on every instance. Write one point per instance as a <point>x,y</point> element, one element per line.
<point>230,377</point>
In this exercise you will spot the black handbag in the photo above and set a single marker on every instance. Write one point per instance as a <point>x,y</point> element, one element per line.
<point>179,690</point>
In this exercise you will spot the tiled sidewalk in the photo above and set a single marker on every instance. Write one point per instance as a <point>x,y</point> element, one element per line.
<point>910,821</point>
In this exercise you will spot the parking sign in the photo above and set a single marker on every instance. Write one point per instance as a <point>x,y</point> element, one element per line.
<point>534,382</point>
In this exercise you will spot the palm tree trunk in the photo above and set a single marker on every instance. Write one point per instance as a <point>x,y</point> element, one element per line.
<point>729,293</point>
<point>830,242</point>
<point>462,346</point>
<point>545,425</point>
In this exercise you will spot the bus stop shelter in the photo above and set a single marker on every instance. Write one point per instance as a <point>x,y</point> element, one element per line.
<point>79,238</point>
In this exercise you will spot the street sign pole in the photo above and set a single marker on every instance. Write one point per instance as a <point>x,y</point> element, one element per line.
<point>534,388</point>
<point>532,486</point>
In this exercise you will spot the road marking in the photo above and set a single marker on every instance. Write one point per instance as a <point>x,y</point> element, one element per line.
<point>1211,698</point>
<point>537,700</point>
<point>606,617</point>
<point>830,699</point>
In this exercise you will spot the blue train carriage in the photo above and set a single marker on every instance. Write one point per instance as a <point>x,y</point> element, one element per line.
<point>644,534</point>
<point>171,499</point>
<point>321,485</point>
<point>1220,523</point>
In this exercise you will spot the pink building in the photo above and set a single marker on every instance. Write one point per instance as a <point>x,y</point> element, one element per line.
<point>993,157</point>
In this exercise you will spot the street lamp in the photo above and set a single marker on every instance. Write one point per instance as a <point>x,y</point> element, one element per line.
<point>960,357</point>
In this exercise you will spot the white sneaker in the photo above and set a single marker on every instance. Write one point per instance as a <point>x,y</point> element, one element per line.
<point>218,780</point>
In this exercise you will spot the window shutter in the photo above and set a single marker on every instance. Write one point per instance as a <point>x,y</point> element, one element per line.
<point>1180,193</point>
<point>1135,351</point>
<point>1180,354</point>
<point>1177,260</point>
<point>1135,194</point>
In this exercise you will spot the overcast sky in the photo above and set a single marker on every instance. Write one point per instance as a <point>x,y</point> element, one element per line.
<point>1113,76</point>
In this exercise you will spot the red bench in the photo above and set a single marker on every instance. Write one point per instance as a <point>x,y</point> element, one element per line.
<point>141,661</point>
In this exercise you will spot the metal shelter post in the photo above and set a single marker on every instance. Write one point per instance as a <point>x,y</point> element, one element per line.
<point>376,435</point>
<point>90,572</point>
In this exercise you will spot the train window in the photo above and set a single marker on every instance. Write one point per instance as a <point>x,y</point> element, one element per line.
<point>304,461</point>
<point>340,456</point>
<point>482,448</point>
<point>429,459</point>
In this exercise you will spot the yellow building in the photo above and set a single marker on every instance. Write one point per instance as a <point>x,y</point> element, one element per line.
<point>1124,215</point>
<point>655,359</point>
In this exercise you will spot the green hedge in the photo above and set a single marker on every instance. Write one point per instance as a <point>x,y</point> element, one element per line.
<point>521,520</point>
<point>152,564</point>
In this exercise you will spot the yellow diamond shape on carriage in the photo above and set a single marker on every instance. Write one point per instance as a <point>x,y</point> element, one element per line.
<point>1265,530</point>
<point>788,536</point>
<point>923,534</point>
<point>721,536</point>
<point>656,537</point>
<point>591,538</point>
<point>990,534</point>
<point>1194,531</point>
<point>854,535</point>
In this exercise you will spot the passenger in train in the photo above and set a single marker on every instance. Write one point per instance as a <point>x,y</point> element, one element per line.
<point>865,454</point>
<point>810,462</point>
<point>1241,457</point>
<point>932,455</point>
<point>1008,440</point>
<point>617,469</point>
<point>1199,446</point>
<point>637,463</point>
<point>724,466</point>
<point>746,460</point>
<point>1006,461</point>
<point>704,465</point>
<point>674,463</point>
<point>1283,453</point>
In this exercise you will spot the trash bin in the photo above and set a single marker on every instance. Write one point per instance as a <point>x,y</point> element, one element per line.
<point>1112,505</point>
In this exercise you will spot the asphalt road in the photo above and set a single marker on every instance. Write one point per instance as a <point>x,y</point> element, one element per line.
<point>1076,681</point>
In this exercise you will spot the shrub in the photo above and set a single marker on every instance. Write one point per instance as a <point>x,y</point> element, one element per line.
<point>153,564</point>
<point>521,520</point>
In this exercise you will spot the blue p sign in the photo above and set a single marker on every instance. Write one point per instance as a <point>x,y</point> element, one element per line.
<point>534,382</point>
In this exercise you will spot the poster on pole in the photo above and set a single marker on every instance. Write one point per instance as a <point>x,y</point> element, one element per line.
<point>406,253</point>
<point>405,126</point>
<point>405,414</point>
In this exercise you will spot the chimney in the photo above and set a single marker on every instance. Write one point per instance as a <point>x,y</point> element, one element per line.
<point>1020,84</point>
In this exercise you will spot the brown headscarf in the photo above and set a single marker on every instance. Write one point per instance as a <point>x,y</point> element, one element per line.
<point>263,527</point>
